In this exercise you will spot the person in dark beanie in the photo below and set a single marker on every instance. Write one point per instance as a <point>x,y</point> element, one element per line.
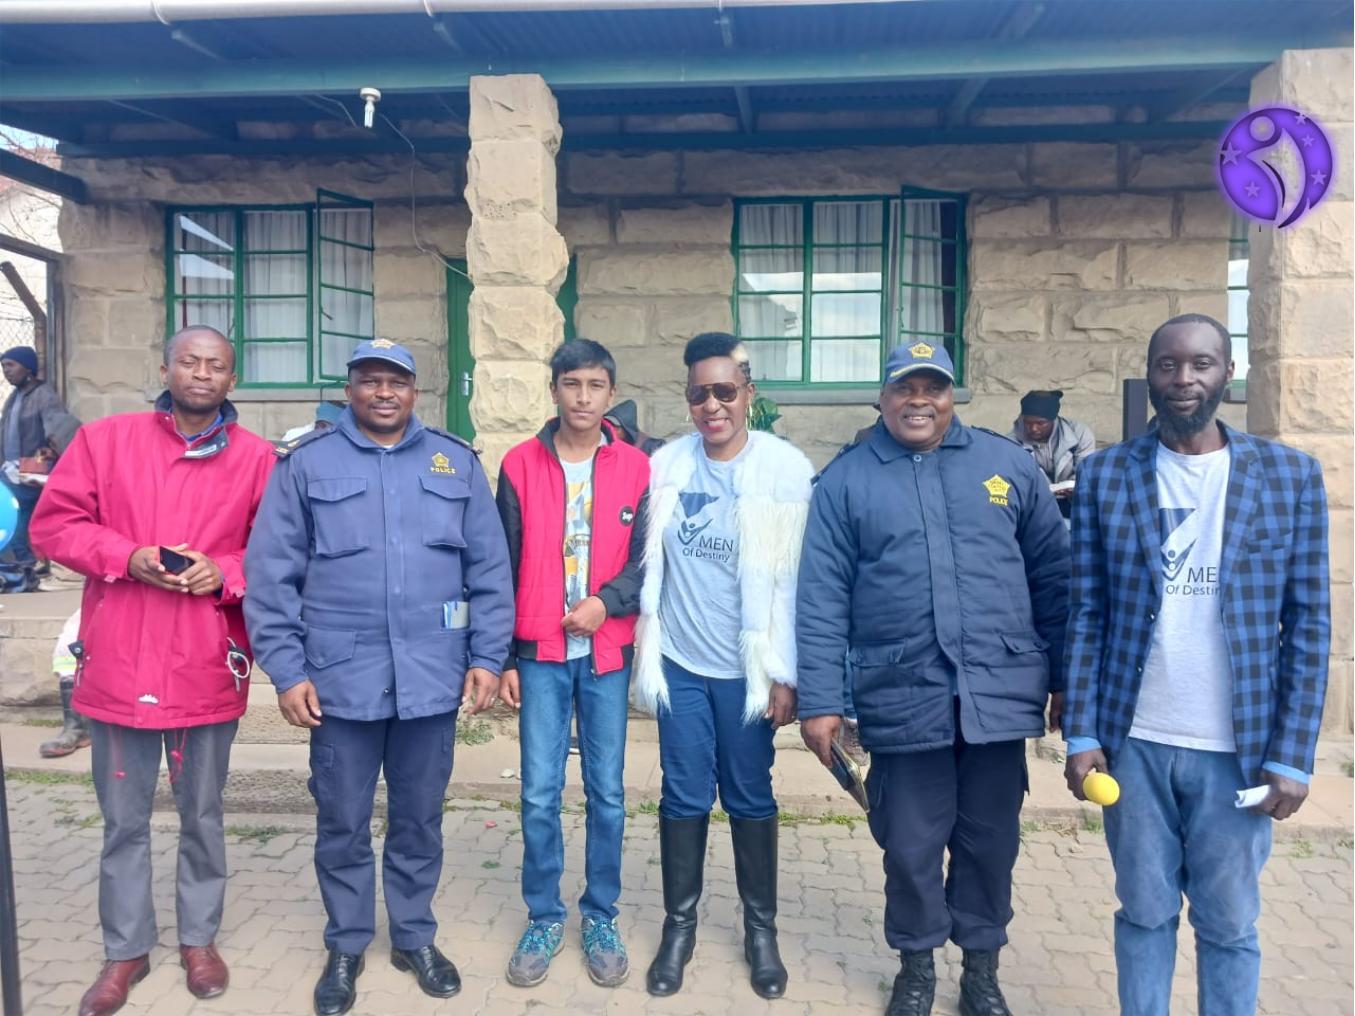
<point>623,417</point>
<point>35,427</point>
<point>1059,445</point>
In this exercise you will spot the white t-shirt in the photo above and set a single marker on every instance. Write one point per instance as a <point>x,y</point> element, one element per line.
<point>578,543</point>
<point>1186,698</point>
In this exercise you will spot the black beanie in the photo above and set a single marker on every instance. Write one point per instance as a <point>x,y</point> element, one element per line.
<point>1045,405</point>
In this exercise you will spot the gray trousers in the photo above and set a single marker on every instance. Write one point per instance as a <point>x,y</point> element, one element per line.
<point>126,763</point>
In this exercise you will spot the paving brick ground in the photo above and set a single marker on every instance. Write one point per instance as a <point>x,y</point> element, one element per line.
<point>1059,962</point>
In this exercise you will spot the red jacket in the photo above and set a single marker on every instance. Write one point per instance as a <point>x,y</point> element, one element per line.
<point>531,500</point>
<point>153,658</point>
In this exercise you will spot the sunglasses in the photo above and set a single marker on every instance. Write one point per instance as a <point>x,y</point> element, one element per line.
<point>724,391</point>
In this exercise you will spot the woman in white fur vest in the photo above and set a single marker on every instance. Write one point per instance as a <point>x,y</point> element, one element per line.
<point>715,648</point>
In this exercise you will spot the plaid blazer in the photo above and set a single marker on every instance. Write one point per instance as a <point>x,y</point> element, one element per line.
<point>1274,596</point>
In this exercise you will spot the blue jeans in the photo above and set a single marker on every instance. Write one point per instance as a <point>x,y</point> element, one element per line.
<point>551,693</point>
<point>1175,831</point>
<point>704,744</point>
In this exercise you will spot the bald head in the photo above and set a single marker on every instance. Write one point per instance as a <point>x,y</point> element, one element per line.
<point>202,332</point>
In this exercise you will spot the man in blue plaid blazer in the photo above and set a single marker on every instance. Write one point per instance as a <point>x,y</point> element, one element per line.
<point>1196,664</point>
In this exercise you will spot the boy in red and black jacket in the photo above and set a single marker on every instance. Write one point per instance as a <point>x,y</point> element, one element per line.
<point>572,501</point>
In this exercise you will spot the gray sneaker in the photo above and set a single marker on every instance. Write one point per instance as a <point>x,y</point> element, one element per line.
<point>538,945</point>
<point>602,947</point>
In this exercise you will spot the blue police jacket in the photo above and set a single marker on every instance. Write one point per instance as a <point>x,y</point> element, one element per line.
<point>933,576</point>
<point>362,563</point>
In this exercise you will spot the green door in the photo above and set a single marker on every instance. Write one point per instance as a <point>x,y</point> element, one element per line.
<point>460,363</point>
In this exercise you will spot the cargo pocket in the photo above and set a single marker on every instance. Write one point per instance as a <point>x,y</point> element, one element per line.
<point>340,528</point>
<point>1010,689</point>
<point>328,646</point>
<point>443,510</point>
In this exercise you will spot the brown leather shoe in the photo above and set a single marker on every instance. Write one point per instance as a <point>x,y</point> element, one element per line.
<point>109,991</point>
<point>207,973</point>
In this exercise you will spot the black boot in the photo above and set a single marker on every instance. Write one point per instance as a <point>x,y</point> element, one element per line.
<point>682,851</point>
<point>74,728</point>
<point>755,872</point>
<point>980,994</point>
<point>915,985</point>
<point>337,989</point>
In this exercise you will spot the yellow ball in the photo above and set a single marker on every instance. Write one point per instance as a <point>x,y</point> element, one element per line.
<point>1101,789</point>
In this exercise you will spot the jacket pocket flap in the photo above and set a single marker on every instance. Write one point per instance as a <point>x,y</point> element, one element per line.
<point>878,654</point>
<point>1024,643</point>
<point>328,646</point>
<point>450,487</point>
<point>336,488</point>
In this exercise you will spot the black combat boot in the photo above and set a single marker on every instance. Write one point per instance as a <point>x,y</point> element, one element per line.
<point>915,985</point>
<point>980,994</point>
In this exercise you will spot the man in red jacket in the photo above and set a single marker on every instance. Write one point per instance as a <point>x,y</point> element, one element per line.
<point>572,501</point>
<point>163,662</point>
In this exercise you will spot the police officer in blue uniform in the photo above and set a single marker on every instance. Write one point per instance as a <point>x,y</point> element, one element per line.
<point>935,564</point>
<point>381,603</point>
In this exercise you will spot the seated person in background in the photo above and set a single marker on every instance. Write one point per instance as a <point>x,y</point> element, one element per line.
<point>326,415</point>
<point>1058,444</point>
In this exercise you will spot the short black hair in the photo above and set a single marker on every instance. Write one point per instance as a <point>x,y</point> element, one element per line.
<point>194,330</point>
<point>712,344</point>
<point>1195,319</point>
<point>578,354</point>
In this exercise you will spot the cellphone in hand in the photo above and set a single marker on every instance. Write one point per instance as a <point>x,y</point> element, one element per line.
<point>174,562</point>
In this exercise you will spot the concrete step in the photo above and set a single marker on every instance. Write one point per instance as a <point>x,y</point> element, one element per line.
<point>271,778</point>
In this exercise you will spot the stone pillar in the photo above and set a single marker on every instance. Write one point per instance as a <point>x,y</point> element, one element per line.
<point>515,255</point>
<point>1301,332</point>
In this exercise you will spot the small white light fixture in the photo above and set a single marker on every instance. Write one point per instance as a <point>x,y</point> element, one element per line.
<point>370,97</point>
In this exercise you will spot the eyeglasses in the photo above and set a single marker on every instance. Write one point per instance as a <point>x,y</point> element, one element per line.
<point>724,391</point>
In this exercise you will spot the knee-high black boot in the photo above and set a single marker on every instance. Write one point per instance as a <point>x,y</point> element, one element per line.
<point>755,872</point>
<point>682,851</point>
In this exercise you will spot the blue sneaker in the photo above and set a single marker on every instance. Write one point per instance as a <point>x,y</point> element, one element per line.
<point>606,956</point>
<point>536,948</point>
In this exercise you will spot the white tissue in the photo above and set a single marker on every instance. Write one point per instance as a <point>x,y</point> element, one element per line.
<point>1251,797</point>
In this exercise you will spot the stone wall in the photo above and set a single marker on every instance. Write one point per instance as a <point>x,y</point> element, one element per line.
<point>1303,332</point>
<point>115,274</point>
<point>1076,252</point>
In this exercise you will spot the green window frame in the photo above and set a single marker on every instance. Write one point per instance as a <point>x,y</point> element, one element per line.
<point>217,272</point>
<point>1239,296</point>
<point>798,294</point>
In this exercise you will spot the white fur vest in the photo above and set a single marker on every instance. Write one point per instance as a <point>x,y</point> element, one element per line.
<point>772,488</point>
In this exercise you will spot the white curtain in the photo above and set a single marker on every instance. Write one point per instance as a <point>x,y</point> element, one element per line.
<point>205,269</point>
<point>351,268</point>
<point>771,285</point>
<point>275,297</point>
<point>921,309</point>
<point>847,289</point>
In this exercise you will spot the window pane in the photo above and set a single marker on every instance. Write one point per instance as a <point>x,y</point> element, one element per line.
<point>761,270</point>
<point>771,316</point>
<point>342,311</point>
<point>351,225</point>
<point>275,319</point>
<point>1237,311</point>
<point>847,268</point>
<point>846,314</point>
<point>848,221</point>
<point>349,267</point>
<point>334,353</point>
<point>850,360</point>
<point>775,361</point>
<point>213,232</point>
<point>927,263</point>
<point>926,310</point>
<point>199,275</point>
<point>1237,271</point>
<point>267,274</point>
<point>218,314</point>
<point>930,218</point>
<point>275,362</point>
<point>275,230</point>
<point>779,224</point>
